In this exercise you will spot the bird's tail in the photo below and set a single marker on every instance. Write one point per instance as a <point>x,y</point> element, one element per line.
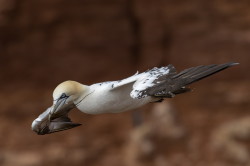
<point>176,82</point>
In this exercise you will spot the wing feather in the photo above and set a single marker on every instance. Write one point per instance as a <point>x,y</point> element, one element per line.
<point>126,81</point>
<point>150,78</point>
<point>141,82</point>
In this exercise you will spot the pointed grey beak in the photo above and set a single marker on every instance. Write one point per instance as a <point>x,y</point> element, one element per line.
<point>60,108</point>
<point>54,119</point>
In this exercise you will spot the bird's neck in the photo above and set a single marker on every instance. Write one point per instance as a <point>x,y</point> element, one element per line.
<point>86,90</point>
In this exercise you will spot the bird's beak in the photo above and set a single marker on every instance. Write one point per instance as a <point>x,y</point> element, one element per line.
<point>60,108</point>
<point>54,119</point>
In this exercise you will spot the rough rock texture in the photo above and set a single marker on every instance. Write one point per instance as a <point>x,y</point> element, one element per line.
<point>45,42</point>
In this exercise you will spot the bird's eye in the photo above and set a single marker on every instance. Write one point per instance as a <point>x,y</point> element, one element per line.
<point>63,96</point>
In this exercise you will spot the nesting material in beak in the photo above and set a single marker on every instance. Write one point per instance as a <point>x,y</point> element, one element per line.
<point>59,124</point>
<point>54,119</point>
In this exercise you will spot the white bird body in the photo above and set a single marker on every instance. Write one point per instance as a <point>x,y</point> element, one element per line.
<point>118,96</point>
<point>102,98</point>
<point>112,96</point>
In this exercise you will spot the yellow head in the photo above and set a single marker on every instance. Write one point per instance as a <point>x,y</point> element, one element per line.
<point>70,89</point>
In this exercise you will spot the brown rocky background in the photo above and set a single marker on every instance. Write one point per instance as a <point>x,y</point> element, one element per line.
<point>45,42</point>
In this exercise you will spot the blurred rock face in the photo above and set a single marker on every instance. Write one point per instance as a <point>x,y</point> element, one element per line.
<point>229,140</point>
<point>64,37</point>
<point>43,43</point>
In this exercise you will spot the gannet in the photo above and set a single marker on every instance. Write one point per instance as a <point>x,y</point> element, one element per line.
<point>118,96</point>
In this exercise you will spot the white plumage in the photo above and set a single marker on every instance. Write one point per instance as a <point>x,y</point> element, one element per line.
<point>119,96</point>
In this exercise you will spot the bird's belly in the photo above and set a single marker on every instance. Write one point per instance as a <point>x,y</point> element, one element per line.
<point>98,104</point>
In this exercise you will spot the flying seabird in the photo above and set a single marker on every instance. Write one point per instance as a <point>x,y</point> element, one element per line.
<point>118,96</point>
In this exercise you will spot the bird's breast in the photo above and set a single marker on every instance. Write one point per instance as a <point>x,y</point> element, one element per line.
<point>105,101</point>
